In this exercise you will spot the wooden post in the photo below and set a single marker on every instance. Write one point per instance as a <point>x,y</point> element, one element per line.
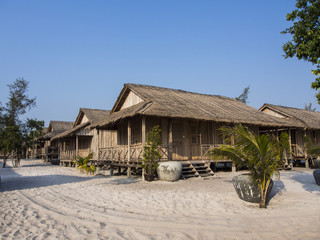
<point>129,148</point>
<point>170,140</point>
<point>213,136</point>
<point>143,139</point>
<point>290,149</point>
<point>234,169</point>
<point>64,146</point>
<point>143,130</point>
<point>77,145</point>
<point>306,152</point>
<point>290,143</point>
<point>98,136</point>
<point>35,155</point>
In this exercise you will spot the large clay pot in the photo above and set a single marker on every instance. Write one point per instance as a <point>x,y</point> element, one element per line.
<point>316,175</point>
<point>169,171</point>
<point>246,190</point>
<point>316,163</point>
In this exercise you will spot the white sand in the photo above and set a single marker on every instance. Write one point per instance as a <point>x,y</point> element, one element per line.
<point>42,201</point>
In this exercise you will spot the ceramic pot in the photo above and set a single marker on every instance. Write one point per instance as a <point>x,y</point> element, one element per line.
<point>248,191</point>
<point>169,171</point>
<point>316,163</point>
<point>316,175</point>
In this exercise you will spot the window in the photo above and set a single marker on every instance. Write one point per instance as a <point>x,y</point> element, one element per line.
<point>195,135</point>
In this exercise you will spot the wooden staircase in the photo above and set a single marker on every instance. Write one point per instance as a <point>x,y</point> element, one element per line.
<point>195,169</point>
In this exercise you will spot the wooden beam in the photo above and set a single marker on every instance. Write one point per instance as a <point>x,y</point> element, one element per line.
<point>77,145</point>
<point>143,130</point>
<point>143,139</point>
<point>213,133</point>
<point>98,143</point>
<point>129,147</point>
<point>170,140</point>
<point>290,143</point>
<point>306,152</point>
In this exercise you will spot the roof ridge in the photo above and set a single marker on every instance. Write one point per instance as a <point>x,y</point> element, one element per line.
<point>301,109</point>
<point>97,109</point>
<point>178,90</point>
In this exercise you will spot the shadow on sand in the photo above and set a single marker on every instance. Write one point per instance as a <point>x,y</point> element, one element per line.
<point>11,181</point>
<point>307,181</point>
<point>36,165</point>
<point>124,181</point>
<point>277,189</point>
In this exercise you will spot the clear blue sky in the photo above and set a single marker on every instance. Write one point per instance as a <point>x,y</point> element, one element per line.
<point>80,53</point>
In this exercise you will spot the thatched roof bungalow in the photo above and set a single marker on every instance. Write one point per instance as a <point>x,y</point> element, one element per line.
<point>55,128</point>
<point>81,139</point>
<point>307,124</point>
<point>144,100</point>
<point>50,149</point>
<point>38,149</point>
<point>189,122</point>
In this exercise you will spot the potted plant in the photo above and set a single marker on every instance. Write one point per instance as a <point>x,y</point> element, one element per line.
<point>151,154</point>
<point>258,153</point>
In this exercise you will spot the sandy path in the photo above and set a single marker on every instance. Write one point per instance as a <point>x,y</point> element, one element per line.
<point>41,201</point>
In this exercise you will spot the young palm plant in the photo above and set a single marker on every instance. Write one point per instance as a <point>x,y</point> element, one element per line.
<point>257,152</point>
<point>83,163</point>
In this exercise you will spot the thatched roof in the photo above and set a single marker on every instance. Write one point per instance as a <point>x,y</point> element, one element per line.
<point>93,116</point>
<point>70,132</point>
<point>306,118</point>
<point>44,130</point>
<point>165,102</point>
<point>56,127</point>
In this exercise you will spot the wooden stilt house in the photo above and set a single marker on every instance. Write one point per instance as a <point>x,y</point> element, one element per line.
<point>49,150</point>
<point>306,126</point>
<point>189,122</point>
<point>82,140</point>
<point>37,151</point>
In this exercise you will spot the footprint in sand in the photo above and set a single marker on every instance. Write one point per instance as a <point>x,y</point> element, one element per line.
<point>102,225</point>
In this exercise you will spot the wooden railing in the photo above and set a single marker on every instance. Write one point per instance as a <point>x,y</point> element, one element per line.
<point>297,151</point>
<point>68,155</point>
<point>205,149</point>
<point>120,153</point>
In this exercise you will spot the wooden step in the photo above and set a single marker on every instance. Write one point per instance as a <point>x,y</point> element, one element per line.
<point>196,169</point>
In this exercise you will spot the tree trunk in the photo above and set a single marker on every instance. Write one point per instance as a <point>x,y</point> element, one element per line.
<point>263,199</point>
<point>263,194</point>
<point>4,162</point>
<point>18,160</point>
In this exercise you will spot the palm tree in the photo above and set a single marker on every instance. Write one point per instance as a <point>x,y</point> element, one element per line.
<point>257,152</point>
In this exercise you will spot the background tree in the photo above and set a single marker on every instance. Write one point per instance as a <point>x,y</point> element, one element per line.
<point>14,133</point>
<point>309,107</point>
<point>244,95</point>
<point>305,43</point>
<point>32,129</point>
